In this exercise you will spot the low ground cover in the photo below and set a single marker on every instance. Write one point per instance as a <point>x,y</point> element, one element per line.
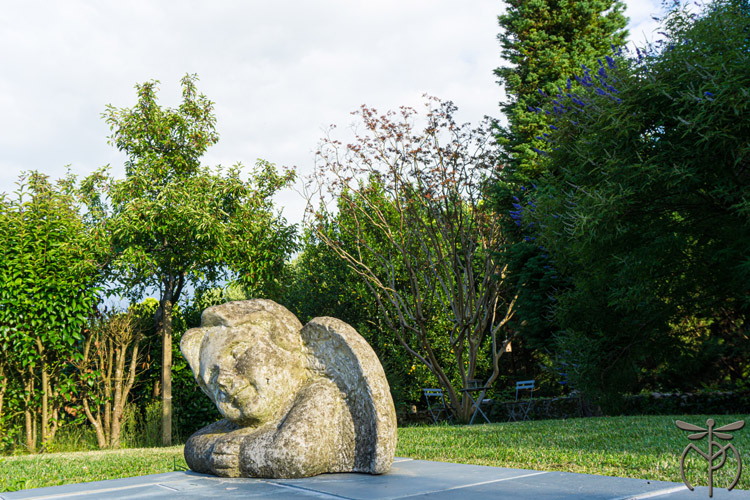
<point>646,447</point>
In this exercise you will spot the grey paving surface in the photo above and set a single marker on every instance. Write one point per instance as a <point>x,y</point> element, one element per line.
<point>412,479</point>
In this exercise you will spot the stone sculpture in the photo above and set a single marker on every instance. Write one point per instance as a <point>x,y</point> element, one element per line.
<point>296,401</point>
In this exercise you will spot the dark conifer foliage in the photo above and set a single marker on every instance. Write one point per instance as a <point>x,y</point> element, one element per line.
<point>545,42</point>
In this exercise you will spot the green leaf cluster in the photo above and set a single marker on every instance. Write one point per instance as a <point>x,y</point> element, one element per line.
<point>645,208</point>
<point>544,42</point>
<point>49,276</point>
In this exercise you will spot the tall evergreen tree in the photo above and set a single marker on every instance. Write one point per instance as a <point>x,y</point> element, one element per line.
<point>545,42</point>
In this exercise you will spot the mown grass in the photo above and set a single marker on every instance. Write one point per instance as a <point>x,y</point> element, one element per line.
<point>647,447</point>
<point>36,471</point>
<point>644,447</point>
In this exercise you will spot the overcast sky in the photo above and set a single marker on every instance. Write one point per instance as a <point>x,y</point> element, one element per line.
<point>279,72</point>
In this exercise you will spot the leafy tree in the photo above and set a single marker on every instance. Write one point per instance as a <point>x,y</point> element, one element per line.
<point>414,228</point>
<point>48,284</point>
<point>544,43</point>
<point>646,206</point>
<point>173,223</point>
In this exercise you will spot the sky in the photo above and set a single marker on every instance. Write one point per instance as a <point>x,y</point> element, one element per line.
<point>279,72</point>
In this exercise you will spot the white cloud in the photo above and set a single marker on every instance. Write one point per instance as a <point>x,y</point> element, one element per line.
<point>643,26</point>
<point>279,72</point>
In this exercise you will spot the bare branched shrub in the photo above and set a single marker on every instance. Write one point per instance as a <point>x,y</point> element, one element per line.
<point>410,220</point>
<point>108,372</point>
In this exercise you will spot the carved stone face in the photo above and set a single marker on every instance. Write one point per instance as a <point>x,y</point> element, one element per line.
<point>247,361</point>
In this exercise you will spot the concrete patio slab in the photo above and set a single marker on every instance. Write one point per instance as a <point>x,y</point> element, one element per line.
<point>408,479</point>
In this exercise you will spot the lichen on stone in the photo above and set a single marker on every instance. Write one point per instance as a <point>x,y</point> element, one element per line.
<point>296,401</point>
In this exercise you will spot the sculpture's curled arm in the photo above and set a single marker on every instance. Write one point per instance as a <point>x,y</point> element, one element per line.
<point>316,436</point>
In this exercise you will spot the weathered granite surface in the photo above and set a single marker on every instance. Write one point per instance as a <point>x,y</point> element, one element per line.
<point>297,401</point>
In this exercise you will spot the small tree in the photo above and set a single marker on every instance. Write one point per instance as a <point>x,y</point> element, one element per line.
<point>419,235</point>
<point>171,222</point>
<point>108,369</point>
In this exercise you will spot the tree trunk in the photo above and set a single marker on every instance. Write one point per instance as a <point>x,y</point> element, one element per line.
<point>97,361</point>
<point>55,413</point>
<point>34,422</point>
<point>45,404</point>
<point>96,421</point>
<point>124,387</point>
<point>116,429</point>
<point>27,416</point>
<point>166,375</point>
<point>3,389</point>
<point>116,406</point>
<point>108,392</point>
<point>45,391</point>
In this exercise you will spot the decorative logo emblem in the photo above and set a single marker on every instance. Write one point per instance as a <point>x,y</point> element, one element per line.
<point>711,457</point>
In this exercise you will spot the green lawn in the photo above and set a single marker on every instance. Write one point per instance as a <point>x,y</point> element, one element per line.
<point>35,471</point>
<point>646,447</point>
